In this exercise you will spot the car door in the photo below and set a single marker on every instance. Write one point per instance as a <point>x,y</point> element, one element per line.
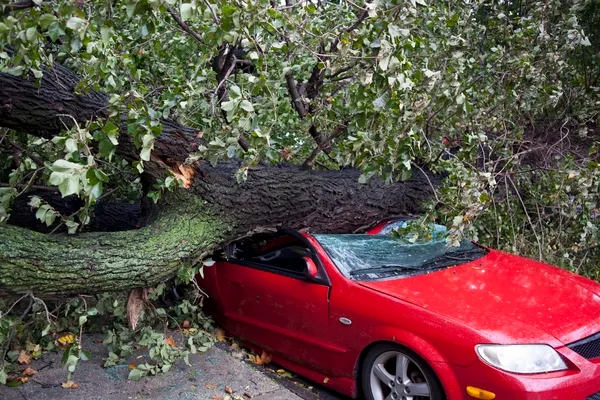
<point>278,309</point>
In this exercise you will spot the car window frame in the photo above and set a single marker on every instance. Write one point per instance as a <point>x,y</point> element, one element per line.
<point>322,278</point>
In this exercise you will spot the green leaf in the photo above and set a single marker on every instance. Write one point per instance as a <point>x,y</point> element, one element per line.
<point>76,23</point>
<point>71,226</point>
<point>16,71</point>
<point>101,175</point>
<point>31,34</point>
<point>85,355</point>
<point>3,27</point>
<point>64,165</point>
<point>40,214</point>
<point>247,106</point>
<point>136,374</point>
<point>45,20</point>
<point>384,62</point>
<point>54,31</point>
<point>186,10</point>
<point>56,178</point>
<point>145,153</point>
<point>69,186</point>
<point>46,330</point>
<point>228,105</point>
<point>130,8</point>
<point>106,33</point>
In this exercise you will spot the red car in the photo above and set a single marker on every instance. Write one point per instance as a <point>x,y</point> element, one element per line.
<point>402,321</point>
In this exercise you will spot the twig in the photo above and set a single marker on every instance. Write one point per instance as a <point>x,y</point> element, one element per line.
<point>528,218</point>
<point>337,132</point>
<point>15,303</point>
<point>229,71</point>
<point>428,181</point>
<point>212,11</point>
<point>3,136</point>
<point>341,71</point>
<point>25,186</point>
<point>185,27</point>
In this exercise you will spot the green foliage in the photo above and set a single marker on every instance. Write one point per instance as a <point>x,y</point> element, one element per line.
<point>35,329</point>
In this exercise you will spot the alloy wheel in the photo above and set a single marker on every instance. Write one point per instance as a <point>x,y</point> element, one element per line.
<point>395,376</point>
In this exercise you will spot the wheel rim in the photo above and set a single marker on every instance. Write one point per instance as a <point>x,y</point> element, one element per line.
<point>395,376</point>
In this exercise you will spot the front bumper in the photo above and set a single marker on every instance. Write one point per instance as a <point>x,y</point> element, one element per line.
<point>580,382</point>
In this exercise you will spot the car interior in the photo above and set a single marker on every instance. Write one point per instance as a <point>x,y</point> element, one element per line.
<point>281,252</point>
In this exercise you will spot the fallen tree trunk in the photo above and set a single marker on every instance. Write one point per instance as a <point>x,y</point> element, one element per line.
<point>190,225</point>
<point>213,210</point>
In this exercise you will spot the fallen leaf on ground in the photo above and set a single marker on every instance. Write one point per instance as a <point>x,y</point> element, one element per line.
<point>210,386</point>
<point>215,397</point>
<point>24,379</point>
<point>248,395</point>
<point>135,307</point>
<point>24,358</point>
<point>66,339</point>
<point>185,324</point>
<point>170,341</point>
<point>220,334</point>
<point>235,346</point>
<point>29,371</point>
<point>228,390</point>
<point>69,385</point>
<point>132,366</point>
<point>263,359</point>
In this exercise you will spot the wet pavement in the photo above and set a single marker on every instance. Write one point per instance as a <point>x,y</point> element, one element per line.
<point>219,374</point>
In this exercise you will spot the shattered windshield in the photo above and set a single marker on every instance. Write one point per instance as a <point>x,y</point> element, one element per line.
<point>379,256</point>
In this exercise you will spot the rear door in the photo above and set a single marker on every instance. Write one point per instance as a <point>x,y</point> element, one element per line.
<point>270,302</point>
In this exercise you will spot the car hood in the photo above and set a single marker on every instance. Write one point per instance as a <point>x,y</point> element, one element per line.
<point>506,298</point>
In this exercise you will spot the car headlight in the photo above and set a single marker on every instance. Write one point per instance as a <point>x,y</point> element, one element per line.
<point>521,358</point>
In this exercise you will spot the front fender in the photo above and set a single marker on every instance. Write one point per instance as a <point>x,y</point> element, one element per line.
<point>436,360</point>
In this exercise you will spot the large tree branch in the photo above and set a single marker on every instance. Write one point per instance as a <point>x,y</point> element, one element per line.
<point>40,111</point>
<point>295,95</point>
<point>312,87</point>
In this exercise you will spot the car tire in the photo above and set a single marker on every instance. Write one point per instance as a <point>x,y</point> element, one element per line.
<point>380,382</point>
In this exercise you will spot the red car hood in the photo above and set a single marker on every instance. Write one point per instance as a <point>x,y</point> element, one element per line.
<point>507,299</point>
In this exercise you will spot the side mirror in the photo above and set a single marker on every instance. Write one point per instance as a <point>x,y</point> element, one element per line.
<point>311,268</point>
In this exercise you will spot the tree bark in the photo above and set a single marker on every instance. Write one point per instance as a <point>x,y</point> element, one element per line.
<point>213,210</point>
<point>46,109</point>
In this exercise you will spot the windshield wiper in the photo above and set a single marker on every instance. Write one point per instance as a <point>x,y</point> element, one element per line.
<point>454,258</point>
<point>382,268</point>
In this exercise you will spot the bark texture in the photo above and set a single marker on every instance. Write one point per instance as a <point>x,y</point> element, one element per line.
<point>98,262</point>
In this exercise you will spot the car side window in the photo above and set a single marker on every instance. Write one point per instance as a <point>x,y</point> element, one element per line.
<point>289,258</point>
<point>284,253</point>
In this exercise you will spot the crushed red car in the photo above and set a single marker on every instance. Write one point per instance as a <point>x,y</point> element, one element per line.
<point>410,321</point>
